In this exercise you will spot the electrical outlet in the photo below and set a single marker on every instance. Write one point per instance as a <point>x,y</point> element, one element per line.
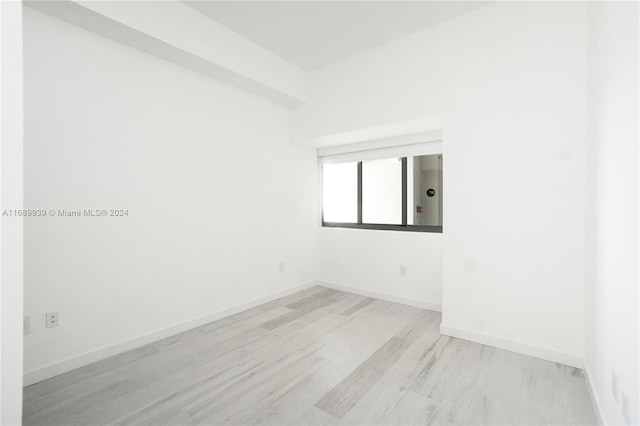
<point>281,267</point>
<point>26,325</point>
<point>625,407</point>
<point>614,385</point>
<point>402,269</point>
<point>51,319</point>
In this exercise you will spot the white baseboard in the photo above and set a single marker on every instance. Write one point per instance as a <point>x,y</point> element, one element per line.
<point>77,361</point>
<point>432,306</point>
<point>513,346</point>
<point>594,396</point>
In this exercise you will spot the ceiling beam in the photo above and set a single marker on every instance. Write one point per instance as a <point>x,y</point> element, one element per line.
<point>178,33</point>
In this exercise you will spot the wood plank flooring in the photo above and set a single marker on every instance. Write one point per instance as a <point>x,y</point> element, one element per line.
<point>319,356</point>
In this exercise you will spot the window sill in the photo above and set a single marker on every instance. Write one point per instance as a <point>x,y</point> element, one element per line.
<point>381,227</point>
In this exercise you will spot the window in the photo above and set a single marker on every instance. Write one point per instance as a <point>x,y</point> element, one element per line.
<point>340,193</point>
<point>402,194</point>
<point>382,191</point>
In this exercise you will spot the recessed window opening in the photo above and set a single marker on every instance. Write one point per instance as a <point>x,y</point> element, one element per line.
<point>399,193</point>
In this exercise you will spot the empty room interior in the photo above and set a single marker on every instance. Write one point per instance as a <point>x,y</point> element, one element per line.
<point>319,213</point>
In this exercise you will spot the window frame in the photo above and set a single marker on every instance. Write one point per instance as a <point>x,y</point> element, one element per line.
<point>381,226</point>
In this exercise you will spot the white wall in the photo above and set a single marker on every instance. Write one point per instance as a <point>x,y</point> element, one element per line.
<point>509,80</point>
<point>368,262</point>
<point>11,228</point>
<point>217,195</point>
<point>612,320</point>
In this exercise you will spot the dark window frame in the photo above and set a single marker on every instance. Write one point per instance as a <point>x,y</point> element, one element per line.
<point>382,226</point>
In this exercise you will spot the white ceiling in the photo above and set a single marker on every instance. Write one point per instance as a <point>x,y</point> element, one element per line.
<point>311,34</point>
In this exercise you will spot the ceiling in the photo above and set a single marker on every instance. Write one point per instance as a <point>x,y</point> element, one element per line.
<point>312,34</point>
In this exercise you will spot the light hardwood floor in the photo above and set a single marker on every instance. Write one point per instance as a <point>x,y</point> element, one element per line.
<point>319,356</point>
